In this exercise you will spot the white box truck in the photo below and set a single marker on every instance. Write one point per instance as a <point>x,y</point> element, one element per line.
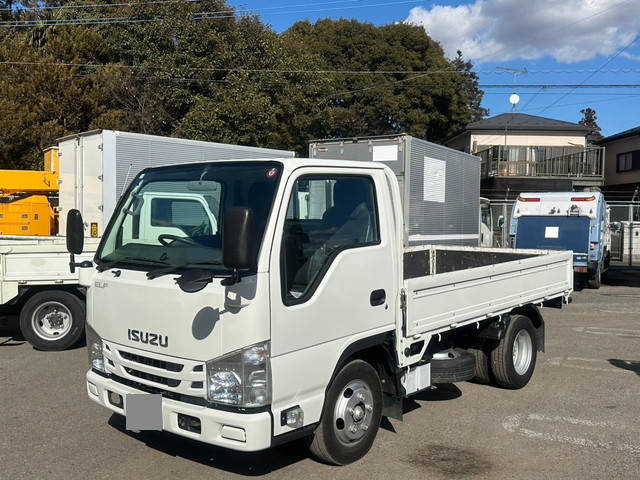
<point>439,186</point>
<point>287,319</point>
<point>95,168</point>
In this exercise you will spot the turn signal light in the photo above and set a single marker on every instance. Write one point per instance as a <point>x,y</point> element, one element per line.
<point>528,199</point>
<point>583,199</point>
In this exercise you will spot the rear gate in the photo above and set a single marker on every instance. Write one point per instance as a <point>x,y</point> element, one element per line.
<point>553,233</point>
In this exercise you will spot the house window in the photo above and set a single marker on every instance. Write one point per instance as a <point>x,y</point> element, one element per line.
<point>626,161</point>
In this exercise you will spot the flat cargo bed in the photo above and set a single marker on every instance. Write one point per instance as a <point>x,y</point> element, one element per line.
<point>447,287</point>
<point>37,261</point>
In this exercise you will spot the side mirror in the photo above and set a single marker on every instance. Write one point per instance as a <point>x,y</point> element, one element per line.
<point>75,237</point>
<point>501,221</point>
<point>238,241</point>
<point>75,232</point>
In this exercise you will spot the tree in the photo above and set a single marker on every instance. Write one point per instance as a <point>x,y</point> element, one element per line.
<point>589,119</point>
<point>470,87</point>
<point>433,105</point>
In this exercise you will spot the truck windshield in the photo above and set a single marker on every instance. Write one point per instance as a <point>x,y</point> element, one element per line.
<point>172,216</point>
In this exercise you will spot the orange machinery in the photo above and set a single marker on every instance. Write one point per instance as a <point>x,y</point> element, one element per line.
<point>28,199</point>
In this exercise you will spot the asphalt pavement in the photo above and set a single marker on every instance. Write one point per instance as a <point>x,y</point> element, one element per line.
<point>578,418</point>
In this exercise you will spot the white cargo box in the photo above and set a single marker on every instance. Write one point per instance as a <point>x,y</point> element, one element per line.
<point>96,167</point>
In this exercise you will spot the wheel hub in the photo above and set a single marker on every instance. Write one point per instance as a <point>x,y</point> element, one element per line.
<point>51,320</point>
<point>522,352</point>
<point>353,412</point>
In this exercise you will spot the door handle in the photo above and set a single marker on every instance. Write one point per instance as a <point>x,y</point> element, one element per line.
<point>378,297</point>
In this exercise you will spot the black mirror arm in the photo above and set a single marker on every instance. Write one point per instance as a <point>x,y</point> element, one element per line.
<point>73,264</point>
<point>233,279</point>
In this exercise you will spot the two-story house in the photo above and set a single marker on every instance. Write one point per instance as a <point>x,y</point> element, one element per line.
<point>523,152</point>
<point>622,161</point>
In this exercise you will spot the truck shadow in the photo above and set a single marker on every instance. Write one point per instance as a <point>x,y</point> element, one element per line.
<point>248,464</point>
<point>438,393</point>
<point>626,365</point>
<point>623,277</point>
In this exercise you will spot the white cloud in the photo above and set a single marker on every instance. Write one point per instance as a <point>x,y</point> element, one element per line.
<point>500,30</point>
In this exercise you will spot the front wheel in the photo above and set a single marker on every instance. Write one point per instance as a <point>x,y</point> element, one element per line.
<point>52,320</point>
<point>514,358</point>
<point>351,415</point>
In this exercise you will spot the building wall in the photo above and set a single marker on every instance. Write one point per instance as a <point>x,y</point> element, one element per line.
<point>611,175</point>
<point>479,140</point>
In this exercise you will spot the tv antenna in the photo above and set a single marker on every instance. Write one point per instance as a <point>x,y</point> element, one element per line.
<point>514,98</point>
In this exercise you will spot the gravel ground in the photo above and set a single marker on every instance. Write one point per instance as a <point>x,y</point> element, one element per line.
<point>577,418</point>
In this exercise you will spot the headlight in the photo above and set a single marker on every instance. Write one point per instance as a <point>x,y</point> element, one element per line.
<point>94,347</point>
<point>242,378</point>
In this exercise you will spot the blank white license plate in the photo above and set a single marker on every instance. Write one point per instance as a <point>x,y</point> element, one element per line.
<point>144,411</point>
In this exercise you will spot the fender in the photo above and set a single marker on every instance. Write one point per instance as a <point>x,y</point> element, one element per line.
<point>378,351</point>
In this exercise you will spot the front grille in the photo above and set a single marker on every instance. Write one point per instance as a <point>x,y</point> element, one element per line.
<point>170,382</point>
<point>152,362</point>
<point>165,393</point>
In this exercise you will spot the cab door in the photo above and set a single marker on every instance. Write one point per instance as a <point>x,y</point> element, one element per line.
<point>332,278</point>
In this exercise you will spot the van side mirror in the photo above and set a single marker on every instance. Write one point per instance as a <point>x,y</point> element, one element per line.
<point>501,221</point>
<point>238,241</point>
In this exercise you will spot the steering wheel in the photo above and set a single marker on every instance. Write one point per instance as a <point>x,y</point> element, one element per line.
<point>165,237</point>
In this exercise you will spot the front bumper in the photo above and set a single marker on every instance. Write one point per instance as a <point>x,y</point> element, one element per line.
<point>246,432</point>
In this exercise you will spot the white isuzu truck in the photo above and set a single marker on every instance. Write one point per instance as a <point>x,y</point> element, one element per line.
<point>301,312</point>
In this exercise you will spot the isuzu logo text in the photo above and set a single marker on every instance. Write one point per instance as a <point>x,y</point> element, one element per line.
<point>149,338</point>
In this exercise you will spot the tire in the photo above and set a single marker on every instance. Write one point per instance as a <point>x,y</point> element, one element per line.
<point>52,320</point>
<point>453,365</point>
<point>356,387</point>
<point>596,281</point>
<point>510,372</point>
<point>482,372</point>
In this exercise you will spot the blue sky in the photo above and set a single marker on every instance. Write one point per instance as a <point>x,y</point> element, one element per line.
<point>566,42</point>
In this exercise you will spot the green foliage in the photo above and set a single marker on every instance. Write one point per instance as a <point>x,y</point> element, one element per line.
<point>589,119</point>
<point>226,79</point>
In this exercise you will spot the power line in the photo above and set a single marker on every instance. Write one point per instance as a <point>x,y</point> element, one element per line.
<point>607,62</point>
<point>98,5</point>
<point>198,16</point>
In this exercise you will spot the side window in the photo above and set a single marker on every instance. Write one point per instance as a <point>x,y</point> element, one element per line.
<point>325,215</point>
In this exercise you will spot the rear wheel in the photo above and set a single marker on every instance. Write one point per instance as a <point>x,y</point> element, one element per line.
<point>52,320</point>
<point>514,358</point>
<point>351,415</point>
<point>596,281</point>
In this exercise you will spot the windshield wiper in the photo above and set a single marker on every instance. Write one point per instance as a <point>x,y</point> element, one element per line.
<point>113,263</point>
<point>174,268</point>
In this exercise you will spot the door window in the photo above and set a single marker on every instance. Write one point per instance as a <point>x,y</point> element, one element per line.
<point>325,216</point>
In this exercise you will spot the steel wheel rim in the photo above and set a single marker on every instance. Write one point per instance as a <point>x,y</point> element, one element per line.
<point>522,352</point>
<point>51,320</point>
<point>353,412</point>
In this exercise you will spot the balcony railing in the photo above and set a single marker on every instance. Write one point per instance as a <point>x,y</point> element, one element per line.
<point>526,161</point>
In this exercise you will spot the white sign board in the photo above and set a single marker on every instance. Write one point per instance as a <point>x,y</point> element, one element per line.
<point>435,180</point>
<point>551,232</point>
<point>385,153</point>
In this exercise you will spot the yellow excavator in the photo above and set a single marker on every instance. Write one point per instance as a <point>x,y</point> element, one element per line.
<point>28,199</point>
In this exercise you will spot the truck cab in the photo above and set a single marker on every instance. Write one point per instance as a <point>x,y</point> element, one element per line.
<point>576,221</point>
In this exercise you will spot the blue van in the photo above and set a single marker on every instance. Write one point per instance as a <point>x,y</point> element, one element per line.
<point>577,221</point>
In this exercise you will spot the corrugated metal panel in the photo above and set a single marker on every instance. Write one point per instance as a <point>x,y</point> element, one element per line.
<point>135,152</point>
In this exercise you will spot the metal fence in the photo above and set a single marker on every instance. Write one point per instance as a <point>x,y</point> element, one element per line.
<point>625,234</point>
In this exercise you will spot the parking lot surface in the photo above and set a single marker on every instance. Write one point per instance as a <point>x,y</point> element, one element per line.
<point>579,417</point>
